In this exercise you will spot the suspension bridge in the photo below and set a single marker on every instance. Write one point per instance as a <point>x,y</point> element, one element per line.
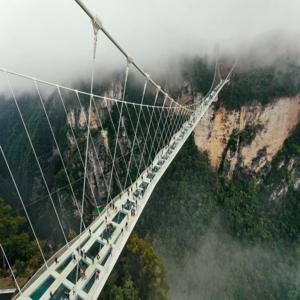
<point>144,138</point>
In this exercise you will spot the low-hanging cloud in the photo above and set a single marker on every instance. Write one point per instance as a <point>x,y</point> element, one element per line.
<point>225,268</point>
<point>53,39</point>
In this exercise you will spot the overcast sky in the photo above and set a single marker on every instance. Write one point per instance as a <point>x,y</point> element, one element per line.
<point>52,39</point>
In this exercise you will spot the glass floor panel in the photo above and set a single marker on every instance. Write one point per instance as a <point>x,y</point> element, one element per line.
<point>39,292</point>
<point>151,175</point>
<point>144,185</point>
<point>94,250</point>
<point>155,169</point>
<point>108,231</point>
<point>90,283</point>
<point>106,257</point>
<point>119,217</point>
<point>63,265</point>
<point>61,293</point>
<point>128,205</point>
<point>72,275</point>
<point>137,193</point>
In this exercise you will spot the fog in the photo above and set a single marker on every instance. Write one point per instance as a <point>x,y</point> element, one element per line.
<point>224,268</point>
<point>52,40</point>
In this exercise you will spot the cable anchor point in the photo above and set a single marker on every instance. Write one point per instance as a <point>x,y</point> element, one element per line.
<point>129,60</point>
<point>97,24</point>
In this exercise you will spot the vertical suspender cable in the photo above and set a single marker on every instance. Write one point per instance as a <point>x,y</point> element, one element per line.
<point>148,130</point>
<point>136,130</point>
<point>89,123</point>
<point>118,142</point>
<point>156,130</point>
<point>119,124</point>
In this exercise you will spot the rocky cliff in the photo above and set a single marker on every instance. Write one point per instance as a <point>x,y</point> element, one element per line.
<point>248,138</point>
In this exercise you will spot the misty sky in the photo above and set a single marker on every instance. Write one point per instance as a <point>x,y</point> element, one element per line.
<point>52,39</point>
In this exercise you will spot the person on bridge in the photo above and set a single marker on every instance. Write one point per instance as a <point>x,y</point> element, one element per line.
<point>82,274</point>
<point>97,275</point>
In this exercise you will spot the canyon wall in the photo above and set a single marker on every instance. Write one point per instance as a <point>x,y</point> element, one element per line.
<point>248,138</point>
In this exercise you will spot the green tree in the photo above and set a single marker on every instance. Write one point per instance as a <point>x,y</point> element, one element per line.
<point>16,243</point>
<point>139,274</point>
<point>126,292</point>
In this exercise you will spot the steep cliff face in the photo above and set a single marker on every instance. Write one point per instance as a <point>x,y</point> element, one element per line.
<point>247,139</point>
<point>100,155</point>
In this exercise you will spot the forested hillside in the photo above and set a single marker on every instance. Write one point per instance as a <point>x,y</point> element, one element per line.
<point>224,239</point>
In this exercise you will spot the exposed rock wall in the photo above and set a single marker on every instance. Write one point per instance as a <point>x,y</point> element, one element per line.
<point>271,125</point>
